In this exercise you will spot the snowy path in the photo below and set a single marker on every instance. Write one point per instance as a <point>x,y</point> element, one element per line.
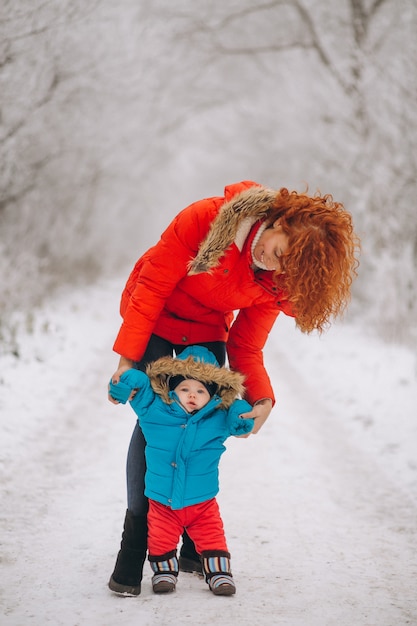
<point>320,507</point>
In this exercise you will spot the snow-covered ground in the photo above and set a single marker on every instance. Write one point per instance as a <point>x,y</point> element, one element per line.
<point>320,507</point>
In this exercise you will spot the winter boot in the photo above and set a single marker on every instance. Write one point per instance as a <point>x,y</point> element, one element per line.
<point>127,576</point>
<point>189,560</point>
<point>216,565</point>
<point>165,569</point>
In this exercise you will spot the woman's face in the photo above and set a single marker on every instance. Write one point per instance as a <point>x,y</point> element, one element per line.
<point>272,244</point>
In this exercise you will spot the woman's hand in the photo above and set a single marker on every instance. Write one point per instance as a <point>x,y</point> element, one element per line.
<point>259,413</point>
<point>124,365</point>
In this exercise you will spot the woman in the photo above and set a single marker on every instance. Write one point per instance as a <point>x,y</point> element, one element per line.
<point>256,252</point>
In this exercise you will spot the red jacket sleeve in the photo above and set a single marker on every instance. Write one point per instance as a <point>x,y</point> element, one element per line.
<point>247,339</point>
<point>158,272</point>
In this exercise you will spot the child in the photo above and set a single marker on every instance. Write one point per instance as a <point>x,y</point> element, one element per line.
<point>187,407</point>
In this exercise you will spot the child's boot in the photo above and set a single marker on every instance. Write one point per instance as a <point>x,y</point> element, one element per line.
<point>165,568</point>
<point>216,566</point>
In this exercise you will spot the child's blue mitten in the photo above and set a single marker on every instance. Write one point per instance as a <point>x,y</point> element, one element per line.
<point>120,391</point>
<point>129,380</point>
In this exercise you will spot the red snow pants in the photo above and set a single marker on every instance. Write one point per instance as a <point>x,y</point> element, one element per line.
<point>202,522</point>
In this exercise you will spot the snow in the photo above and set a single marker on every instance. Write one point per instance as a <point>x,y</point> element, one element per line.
<point>320,507</point>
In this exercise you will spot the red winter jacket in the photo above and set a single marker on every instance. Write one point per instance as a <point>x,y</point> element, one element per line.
<point>188,287</point>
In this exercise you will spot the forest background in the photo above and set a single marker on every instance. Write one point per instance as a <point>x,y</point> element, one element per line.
<point>115,116</point>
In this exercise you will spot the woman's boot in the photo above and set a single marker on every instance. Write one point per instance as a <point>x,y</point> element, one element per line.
<point>189,560</point>
<point>127,576</point>
<point>216,565</point>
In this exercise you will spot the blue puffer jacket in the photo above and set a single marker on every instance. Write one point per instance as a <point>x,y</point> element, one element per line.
<point>183,450</point>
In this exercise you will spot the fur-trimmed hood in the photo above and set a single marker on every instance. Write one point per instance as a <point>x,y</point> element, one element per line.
<point>248,206</point>
<point>229,384</point>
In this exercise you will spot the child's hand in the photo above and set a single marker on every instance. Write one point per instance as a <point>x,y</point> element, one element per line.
<point>124,366</point>
<point>121,392</point>
<point>124,389</point>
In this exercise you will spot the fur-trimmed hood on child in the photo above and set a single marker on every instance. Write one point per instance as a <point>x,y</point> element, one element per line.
<point>196,365</point>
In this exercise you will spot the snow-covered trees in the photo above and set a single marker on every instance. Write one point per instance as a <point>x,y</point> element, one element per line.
<point>113,116</point>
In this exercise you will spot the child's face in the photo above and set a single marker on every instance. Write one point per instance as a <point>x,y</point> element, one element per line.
<point>192,394</point>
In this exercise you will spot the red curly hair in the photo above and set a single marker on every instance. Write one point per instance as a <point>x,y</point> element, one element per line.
<point>320,264</point>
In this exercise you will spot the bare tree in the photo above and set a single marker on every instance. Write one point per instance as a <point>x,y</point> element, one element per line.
<point>114,112</point>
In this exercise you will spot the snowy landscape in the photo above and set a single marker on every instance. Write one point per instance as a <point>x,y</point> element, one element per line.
<point>320,507</point>
<point>113,118</point>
